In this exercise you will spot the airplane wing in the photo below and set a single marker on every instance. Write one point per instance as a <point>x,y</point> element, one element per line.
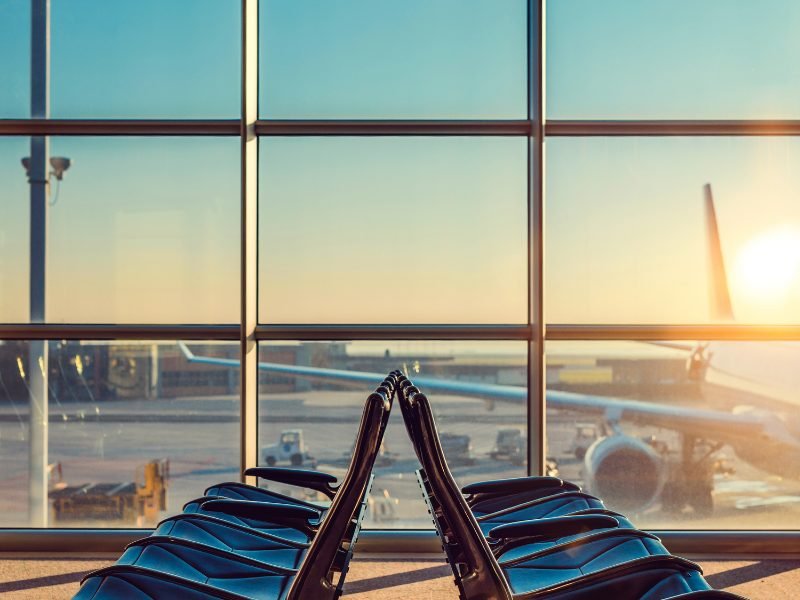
<point>717,425</point>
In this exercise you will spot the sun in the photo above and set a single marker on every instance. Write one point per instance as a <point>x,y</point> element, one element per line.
<point>767,267</point>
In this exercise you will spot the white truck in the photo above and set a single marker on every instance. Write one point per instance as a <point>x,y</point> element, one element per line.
<point>291,448</point>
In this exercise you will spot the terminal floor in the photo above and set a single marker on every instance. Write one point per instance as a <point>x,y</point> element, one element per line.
<point>391,577</point>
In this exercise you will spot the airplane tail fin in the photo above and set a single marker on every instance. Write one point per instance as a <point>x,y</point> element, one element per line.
<point>721,309</point>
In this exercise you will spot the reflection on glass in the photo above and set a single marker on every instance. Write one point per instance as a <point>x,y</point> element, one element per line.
<point>628,236</point>
<point>414,59</point>
<point>14,227</point>
<point>680,435</point>
<point>312,423</point>
<point>141,230</point>
<point>337,215</point>
<point>135,430</point>
<point>15,59</point>
<point>680,60</point>
<point>147,59</point>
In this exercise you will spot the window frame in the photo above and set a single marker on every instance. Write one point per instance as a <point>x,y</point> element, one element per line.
<point>248,332</point>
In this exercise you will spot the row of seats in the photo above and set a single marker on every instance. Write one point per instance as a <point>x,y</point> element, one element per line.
<point>540,537</point>
<point>243,542</point>
<point>529,537</point>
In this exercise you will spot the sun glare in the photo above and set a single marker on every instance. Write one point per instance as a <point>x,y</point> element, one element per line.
<point>768,266</point>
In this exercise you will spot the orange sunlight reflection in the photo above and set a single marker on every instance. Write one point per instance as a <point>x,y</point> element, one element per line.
<point>767,268</point>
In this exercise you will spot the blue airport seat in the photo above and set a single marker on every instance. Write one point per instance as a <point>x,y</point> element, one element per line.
<point>210,557</point>
<point>298,524</point>
<point>596,559</point>
<point>527,497</point>
<point>300,528</point>
<point>134,583</point>
<point>303,478</point>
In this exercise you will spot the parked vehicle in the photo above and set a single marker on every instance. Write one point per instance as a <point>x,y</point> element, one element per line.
<point>586,434</point>
<point>510,445</point>
<point>291,448</point>
<point>385,458</point>
<point>457,448</point>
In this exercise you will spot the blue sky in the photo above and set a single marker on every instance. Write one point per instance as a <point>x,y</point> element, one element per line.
<point>682,59</point>
<point>338,215</point>
<point>389,59</point>
<point>144,59</point>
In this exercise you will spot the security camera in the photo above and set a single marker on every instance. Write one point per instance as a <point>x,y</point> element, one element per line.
<point>60,164</point>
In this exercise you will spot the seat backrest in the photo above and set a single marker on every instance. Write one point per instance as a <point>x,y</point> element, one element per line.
<point>404,389</point>
<point>313,580</point>
<point>389,387</point>
<point>478,574</point>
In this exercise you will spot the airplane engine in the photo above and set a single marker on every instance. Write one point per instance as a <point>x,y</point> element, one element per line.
<point>624,472</point>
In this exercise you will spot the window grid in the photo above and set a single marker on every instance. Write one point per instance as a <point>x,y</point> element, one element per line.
<point>249,128</point>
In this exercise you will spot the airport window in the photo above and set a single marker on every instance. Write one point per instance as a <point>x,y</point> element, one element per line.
<point>14,56</point>
<point>190,69</point>
<point>14,231</point>
<point>196,196</point>
<point>703,464</point>
<point>327,205</point>
<point>141,230</point>
<point>123,432</point>
<point>689,61</point>
<point>311,423</point>
<point>608,195</point>
<point>403,60</point>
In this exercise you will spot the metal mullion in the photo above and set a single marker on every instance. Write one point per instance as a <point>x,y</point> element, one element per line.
<point>723,544</point>
<point>393,332</point>
<point>393,127</point>
<point>130,127</point>
<point>754,333</point>
<point>248,432</point>
<point>51,331</point>
<point>537,438</point>
<point>552,128</point>
<point>667,127</point>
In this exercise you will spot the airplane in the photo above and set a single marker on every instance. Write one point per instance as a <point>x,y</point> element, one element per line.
<point>632,474</point>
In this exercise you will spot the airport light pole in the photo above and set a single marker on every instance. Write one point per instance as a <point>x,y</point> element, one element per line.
<point>37,349</point>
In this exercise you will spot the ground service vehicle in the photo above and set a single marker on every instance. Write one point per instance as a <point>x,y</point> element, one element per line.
<point>457,448</point>
<point>290,448</point>
<point>136,502</point>
<point>510,445</point>
<point>585,435</point>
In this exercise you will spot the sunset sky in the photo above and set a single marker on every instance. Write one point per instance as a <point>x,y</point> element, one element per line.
<point>146,230</point>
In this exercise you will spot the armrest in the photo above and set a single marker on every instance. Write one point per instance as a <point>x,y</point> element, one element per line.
<point>142,575</point>
<point>512,486</point>
<point>262,511</point>
<point>553,528</point>
<point>708,595</point>
<point>314,480</point>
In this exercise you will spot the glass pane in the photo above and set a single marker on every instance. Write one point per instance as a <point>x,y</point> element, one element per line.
<point>680,435</point>
<point>14,228</point>
<point>15,58</point>
<point>684,60</point>
<point>128,422</point>
<point>141,230</point>
<point>414,59</point>
<point>628,234</point>
<point>312,422</point>
<point>146,59</point>
<point>330,224</point>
